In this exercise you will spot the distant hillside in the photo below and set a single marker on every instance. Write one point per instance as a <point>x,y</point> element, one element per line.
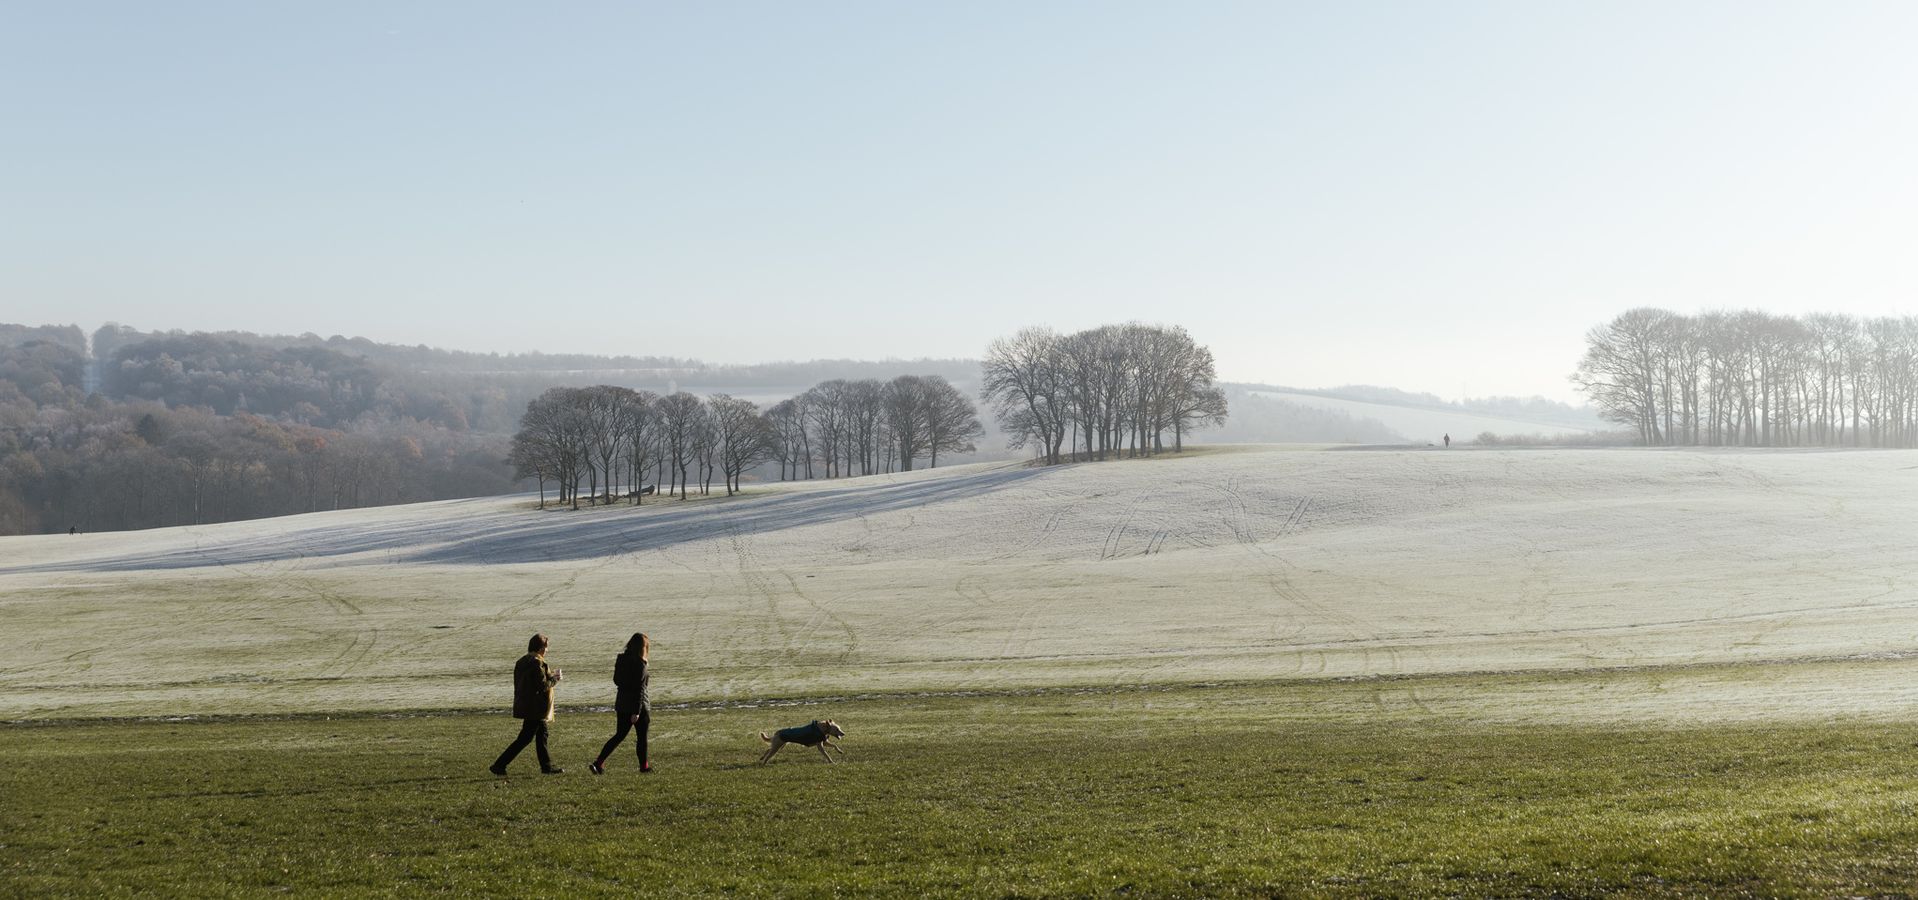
<point>332,380</point>
<point>138,429</point>
<point>1387,415</point>
<point>1539,410</point>
<point>529,373</point>
<point>1258,418</point>
<point>134,429</point>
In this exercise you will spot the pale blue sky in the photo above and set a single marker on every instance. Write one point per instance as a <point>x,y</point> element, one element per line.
<point>1435,196</point>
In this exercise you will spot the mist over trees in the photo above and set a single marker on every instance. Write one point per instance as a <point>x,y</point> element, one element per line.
<point>127,429</point>
<point>144,429</point>
<point>1754,379</point>
<point>1106,391</point>
<point>604,438</point>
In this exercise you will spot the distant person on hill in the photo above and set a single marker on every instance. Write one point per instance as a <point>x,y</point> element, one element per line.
<point>1448,439</point>
<point>73,529</point>
<point>533,705</point>
<point>632,709</point>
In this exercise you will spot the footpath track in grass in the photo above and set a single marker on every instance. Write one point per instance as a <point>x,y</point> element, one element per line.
<point>1193,792</point>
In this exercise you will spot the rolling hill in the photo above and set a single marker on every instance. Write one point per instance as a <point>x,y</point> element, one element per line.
<point>1222,564</point>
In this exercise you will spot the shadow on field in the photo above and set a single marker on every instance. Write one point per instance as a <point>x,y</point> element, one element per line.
<point>524,536</point>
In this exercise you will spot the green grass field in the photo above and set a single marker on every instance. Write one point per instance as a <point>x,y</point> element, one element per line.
<point>1706,674</point>
<point>1237,790</point>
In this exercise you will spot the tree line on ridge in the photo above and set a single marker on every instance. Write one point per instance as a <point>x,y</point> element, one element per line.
<point>1754,379</point>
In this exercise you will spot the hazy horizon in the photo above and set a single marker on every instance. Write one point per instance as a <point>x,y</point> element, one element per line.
<point>1437,199</point>
<point>150,329</point>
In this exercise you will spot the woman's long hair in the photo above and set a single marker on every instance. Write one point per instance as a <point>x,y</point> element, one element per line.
<point>639,645</point>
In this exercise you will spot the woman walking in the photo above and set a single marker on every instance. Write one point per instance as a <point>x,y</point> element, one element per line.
<point>533,683</point>
<point>631,708</point>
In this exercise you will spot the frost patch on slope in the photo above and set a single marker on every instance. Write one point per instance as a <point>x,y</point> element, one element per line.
<point>1257,564</point>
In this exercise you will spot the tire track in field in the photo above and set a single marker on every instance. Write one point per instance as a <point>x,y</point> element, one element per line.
<point>772,625</point>
<point>1115,536</point>
<point>1237,516</point>
<point>286,573</point>
<point>1019,636</point>
<point>852,637</point>
<point>1050,505</point>
<point>977,602</point>
<point>1297,519</point>
<point>1037,540</point>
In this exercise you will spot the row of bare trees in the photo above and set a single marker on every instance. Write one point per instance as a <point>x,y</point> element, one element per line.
<point>1111,390</point>
<point>606,439</point>
<point>1755,379</point>
<point>864,426</point>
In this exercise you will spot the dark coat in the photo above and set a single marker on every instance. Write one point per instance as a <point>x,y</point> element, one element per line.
<point>533,689</point>
<point>634,681</point>
<point>809,735</point>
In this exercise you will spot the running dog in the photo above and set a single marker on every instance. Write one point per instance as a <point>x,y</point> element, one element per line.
<point>814,734</point>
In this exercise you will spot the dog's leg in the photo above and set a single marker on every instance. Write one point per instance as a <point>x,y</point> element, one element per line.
<point>776,744</point>
<point>822,752</point>
<point>842,750</point>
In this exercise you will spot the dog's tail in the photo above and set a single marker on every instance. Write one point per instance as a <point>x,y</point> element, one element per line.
<point>763,737</point>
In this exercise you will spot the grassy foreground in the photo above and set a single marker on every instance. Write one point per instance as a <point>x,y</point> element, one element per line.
<point>1200,792</point>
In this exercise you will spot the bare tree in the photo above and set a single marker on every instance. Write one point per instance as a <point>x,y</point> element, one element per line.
<point>554,435</point>
<point>864,412</point>
<point>952,421</point>
<point>825,408</point>
<point>639,433</point>
<point>607,410</point>
<point>681,418</point>
<point>705,447</point>
<point>1201,408</point>
<point>1620,369</point>
<point>1023,381</point>
<point>787,419</point>
<point>907,405</point>
<point>744,439</point>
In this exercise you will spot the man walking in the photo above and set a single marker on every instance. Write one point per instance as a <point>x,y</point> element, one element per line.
<point>533,705</point>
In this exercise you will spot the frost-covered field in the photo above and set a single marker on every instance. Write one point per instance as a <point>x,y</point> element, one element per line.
<point>1734,584</point>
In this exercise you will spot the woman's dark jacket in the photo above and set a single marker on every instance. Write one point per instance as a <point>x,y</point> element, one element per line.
<point>533,689</point>
<point>629,672</point>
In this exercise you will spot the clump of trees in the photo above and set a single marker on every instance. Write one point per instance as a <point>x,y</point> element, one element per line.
<point>605,436</point>
<point>1111,390</point>
<point>606,440</point>
<point>1755,379</point>
<point>844,427</point>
